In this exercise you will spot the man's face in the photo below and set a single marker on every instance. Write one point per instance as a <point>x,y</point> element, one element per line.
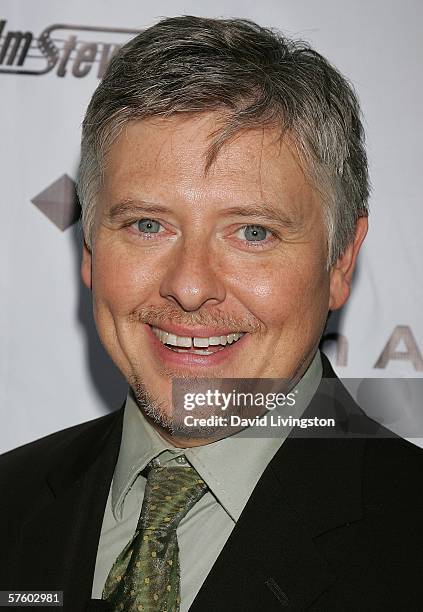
<point>194,257</point>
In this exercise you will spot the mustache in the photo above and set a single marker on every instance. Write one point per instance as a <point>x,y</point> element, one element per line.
<point>154,315</point>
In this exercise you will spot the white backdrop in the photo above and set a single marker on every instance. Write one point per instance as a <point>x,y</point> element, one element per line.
<point>53,371</point>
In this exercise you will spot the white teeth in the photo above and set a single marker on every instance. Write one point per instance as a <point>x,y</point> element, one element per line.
<point>214,340</point>
<point>184,341</point>
<point>161,335</point>
<point>188,342</point>
<point>172,340</point>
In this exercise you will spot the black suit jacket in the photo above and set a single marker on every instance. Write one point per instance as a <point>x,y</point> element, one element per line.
<point>333,525</point>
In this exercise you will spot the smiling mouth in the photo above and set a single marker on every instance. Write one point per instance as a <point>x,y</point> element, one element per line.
<point>195,345</point>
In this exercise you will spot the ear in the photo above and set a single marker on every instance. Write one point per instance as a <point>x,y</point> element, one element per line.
<point>86,266</point>
<point>342,271</point>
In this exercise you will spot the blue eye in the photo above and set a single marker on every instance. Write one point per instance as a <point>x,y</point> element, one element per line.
<point>148,226</point>
<point>255,232</point>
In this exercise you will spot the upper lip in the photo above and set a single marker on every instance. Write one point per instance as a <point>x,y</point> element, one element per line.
<point>195,332</point>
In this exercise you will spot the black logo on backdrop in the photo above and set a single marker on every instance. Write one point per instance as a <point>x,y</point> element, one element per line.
<point>65,49</point>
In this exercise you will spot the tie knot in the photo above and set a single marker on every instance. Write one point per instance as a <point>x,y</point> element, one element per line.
<point>170,493</point>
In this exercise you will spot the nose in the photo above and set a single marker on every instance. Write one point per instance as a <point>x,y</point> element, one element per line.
<point>192,279</point>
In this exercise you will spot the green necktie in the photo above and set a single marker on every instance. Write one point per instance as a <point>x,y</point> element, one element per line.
<point>146,575</point>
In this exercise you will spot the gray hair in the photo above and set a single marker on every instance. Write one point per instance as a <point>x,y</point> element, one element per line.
<point>254,77</point>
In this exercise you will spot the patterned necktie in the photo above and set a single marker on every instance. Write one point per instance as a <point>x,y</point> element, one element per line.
<point>146,575</point>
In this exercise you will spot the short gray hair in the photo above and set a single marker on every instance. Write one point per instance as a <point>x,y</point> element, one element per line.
<point>253,76</point>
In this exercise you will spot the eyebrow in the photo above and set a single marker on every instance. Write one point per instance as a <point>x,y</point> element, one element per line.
<point>263,211</point>
<point>129,208</point>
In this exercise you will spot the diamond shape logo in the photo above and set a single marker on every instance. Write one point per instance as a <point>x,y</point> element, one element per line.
<point>59,202</point>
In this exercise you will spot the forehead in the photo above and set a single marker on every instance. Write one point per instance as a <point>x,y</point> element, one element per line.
<point>158,155</point>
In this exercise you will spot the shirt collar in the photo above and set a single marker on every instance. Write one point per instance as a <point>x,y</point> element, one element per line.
<point>230,480</point>
<point>139,445</point>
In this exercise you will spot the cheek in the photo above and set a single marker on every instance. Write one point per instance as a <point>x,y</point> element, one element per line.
<point>289,292</point>
<point>121,281</point>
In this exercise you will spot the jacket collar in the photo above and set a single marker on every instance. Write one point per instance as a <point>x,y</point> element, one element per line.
<point>71,460</point>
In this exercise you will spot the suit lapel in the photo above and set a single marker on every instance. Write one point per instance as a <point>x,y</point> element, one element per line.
<point>271,560</point>
<point>58,545</point>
